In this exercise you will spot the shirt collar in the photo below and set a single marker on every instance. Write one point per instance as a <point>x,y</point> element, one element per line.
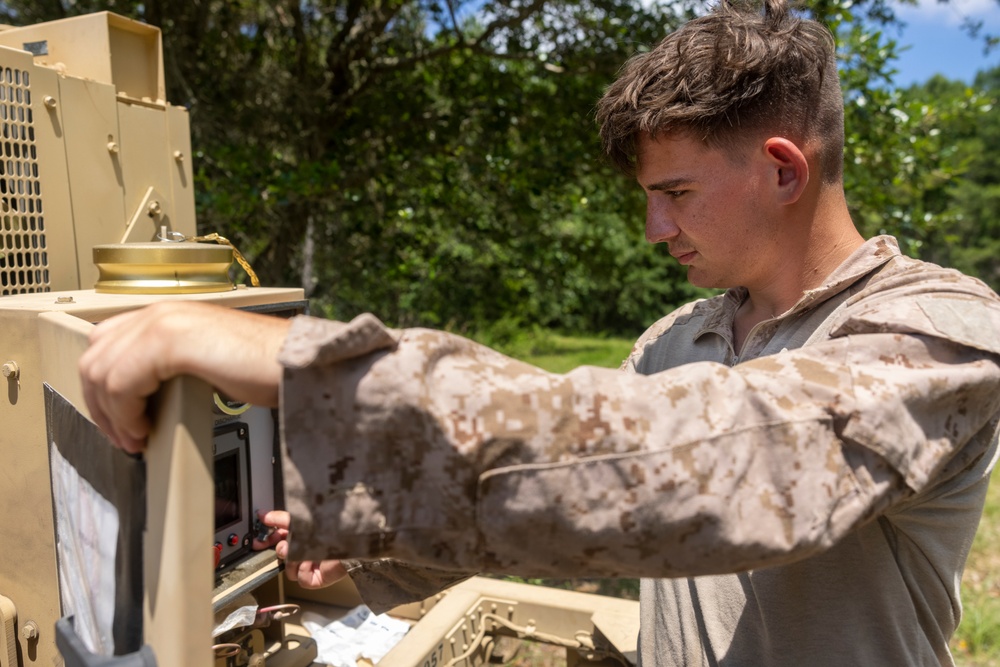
<point>874,253</point>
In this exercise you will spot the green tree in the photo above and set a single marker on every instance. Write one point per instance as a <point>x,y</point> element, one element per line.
<point>966,206</point>
<point>436,161</point>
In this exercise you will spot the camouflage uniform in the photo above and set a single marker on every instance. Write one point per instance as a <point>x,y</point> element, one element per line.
<point>839,464</point>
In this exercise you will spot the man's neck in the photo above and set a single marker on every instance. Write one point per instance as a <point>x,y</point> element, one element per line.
<point>809,258</point>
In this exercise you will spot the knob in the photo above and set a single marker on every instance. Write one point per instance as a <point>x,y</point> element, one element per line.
<point>29,631</point>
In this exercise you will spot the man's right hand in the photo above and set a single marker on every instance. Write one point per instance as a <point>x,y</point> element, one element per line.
<point>132,354</point>
<point>308,573</point>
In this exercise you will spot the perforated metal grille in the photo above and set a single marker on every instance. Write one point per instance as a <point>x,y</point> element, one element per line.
<point>24,264</point>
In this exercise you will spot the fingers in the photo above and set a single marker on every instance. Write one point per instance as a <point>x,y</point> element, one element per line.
<point>308,573</point>
<point>281,522</point>
<point>115,384</point>
<point>276,519</point>
<point>273,540</point>
<point>315,574</point>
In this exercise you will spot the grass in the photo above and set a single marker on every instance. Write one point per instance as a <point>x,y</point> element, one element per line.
<point>558,353</point>
<point>977,641</point>
<point>564,353</point>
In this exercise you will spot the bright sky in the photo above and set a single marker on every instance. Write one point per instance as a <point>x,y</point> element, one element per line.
<point>939,45</point>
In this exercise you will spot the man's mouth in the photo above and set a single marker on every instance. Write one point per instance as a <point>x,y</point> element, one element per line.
<point>684,257</point>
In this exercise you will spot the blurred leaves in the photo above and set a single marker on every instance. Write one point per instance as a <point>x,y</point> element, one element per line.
<point>436,161</point>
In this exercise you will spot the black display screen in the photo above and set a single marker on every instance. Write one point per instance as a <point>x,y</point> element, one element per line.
<point>228,508</point>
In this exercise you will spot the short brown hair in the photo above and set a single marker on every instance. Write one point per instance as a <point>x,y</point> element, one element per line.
<point>735,71</point>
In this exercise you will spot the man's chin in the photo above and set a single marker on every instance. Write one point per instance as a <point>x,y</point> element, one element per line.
<point>701,278</point>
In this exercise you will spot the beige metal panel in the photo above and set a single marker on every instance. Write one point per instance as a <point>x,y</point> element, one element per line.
<point>144,162</point>
<point>136,58</point>
<point>71,175</point>
<point>103,47</point>
<point>64,339</point>
<point>181,170</point>
<point>177,560</point>
<point>177,545</point>
<point>428,643</point>
<point>78,46</point>
<point>36,242</point>
<point>96,177</point>
<point>95,307</point>
<point>479,607</point>
<point>465,617</point>
<point>8,636</point>
<point>28,573</point>
<point>53,179</point>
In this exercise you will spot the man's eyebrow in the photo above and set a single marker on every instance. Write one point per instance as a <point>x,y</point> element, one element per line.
<point>669,184</point>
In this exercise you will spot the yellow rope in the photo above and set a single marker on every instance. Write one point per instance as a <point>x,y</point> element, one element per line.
<point>222,240</point>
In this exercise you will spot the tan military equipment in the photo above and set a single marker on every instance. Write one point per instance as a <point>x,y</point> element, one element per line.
<point>96,218</point>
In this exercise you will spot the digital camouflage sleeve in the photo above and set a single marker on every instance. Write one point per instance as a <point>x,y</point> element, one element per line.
<point>425,447</point>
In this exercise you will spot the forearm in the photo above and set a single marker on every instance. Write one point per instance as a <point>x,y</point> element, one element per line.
<point>237,354</point>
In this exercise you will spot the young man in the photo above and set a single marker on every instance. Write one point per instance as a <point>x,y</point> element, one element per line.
<point>796,468</point>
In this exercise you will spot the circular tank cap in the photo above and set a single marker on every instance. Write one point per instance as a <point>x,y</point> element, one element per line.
<point>163,267</point>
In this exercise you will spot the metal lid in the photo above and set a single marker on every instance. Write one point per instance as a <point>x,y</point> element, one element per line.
<point>163,267</point>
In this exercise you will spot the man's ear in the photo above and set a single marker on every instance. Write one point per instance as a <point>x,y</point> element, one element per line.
<point>789,167</point>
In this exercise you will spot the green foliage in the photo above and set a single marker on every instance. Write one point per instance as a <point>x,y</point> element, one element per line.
<point>435,171</point>
<point>919,162</point>
<point>921,165</point>
<point>967,206</point>
<point>436,161</point>
<point>901,159</point>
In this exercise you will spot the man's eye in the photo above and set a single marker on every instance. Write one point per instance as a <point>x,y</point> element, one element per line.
<point>675,193</point>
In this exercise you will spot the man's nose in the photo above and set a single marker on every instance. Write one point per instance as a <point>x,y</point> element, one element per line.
<point>660,226</point>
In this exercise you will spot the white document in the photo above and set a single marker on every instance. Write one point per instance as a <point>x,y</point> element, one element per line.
<point>86,545</point>
<point>360,634</point>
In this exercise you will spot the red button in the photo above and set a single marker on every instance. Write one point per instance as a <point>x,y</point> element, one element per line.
<point>234,539</point>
